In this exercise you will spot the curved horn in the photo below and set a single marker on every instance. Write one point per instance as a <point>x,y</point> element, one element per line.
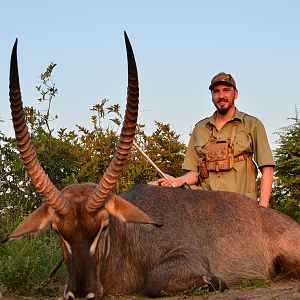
<point>115,168</point>
<point>36,173</point>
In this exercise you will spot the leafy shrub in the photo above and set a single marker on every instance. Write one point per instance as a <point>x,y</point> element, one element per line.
<point>28,262</point>
<point>286,191</point>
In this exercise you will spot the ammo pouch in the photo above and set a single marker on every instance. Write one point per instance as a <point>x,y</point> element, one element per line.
<point>219,156</point>
<point>202,169</point>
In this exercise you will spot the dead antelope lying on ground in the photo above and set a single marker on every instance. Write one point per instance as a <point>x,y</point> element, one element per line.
<point>151,238</point>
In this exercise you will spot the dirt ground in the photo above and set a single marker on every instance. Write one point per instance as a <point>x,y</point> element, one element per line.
<point>283,290</point>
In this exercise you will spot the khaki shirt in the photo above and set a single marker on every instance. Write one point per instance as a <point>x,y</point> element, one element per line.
<point>250,138</point>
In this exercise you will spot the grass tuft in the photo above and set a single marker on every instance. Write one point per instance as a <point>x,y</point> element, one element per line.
<point>251,283</point>
<point>193,291</point>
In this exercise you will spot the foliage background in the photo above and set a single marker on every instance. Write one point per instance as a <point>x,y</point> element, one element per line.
<point>286,191</point>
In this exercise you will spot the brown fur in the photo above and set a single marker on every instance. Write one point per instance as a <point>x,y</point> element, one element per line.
<point>205,237</point>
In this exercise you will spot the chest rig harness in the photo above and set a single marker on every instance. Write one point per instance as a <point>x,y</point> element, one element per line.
<point>219,156</point>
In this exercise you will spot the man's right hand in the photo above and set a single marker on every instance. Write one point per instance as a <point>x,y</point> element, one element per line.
<point>170,181</point>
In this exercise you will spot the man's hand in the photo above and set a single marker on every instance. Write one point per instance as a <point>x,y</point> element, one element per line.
<point>170,181</point>
<point>190,177</point>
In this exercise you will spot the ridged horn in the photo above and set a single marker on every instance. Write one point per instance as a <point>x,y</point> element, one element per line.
<point>28,155</point>
<point>116,166</point>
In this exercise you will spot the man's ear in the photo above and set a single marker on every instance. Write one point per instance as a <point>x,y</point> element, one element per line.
<point>236,93</point>
<point>126,211</point>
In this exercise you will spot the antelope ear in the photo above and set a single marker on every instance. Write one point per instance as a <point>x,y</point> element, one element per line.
<point>32,224</point>
<point>126,211</point>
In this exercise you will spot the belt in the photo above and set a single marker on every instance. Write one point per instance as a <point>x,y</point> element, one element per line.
<point>240,157</point>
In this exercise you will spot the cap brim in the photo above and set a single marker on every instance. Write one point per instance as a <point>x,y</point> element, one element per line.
<point>220,83</point>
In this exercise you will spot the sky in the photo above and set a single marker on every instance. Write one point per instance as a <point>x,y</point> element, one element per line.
<point>179,46</point>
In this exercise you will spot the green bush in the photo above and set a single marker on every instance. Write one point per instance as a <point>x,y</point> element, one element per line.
<point>28,262</point>
<point>25,263</point>
<point>286,191</point>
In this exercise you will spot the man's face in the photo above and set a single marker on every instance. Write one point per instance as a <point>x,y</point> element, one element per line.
<point>223,98</point>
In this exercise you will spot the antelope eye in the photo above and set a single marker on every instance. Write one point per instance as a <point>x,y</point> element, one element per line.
<point>105,227</point>
<point>105,224</point>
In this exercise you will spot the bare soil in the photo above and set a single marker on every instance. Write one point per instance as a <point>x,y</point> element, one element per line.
<point>285,290</point>
<point>281,290</point>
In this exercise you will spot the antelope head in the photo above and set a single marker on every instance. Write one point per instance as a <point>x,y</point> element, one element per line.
<point>80,212</point>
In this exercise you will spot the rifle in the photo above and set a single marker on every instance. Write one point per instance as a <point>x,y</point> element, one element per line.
<point>159,172</point>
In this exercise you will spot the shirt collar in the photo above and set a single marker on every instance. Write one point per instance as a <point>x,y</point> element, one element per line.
<point>237,116</point>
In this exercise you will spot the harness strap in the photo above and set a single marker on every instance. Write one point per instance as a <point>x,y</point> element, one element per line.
<point>249,184</point>
<point>233,132</point>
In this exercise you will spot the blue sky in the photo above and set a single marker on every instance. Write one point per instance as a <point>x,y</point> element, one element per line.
<point>179,46</point>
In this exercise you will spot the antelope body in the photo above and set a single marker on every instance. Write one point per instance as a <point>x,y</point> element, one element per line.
<point>152,238</point>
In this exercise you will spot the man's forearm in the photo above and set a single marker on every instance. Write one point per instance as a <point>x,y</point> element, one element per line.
<point>190,177</point>
<point>266,185</point>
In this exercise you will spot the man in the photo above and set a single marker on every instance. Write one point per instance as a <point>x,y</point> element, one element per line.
<point>225,149</point>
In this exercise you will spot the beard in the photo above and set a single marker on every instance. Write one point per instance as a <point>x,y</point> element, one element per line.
<point>223,106</point>
<point>223,110</point>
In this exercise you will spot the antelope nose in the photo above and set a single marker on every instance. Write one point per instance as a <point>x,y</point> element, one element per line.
<point>70,296</point>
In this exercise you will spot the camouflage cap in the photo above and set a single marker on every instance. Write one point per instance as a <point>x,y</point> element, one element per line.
<point>222,78</point>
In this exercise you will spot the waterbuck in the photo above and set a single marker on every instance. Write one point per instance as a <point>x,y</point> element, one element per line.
<point>151,238</point>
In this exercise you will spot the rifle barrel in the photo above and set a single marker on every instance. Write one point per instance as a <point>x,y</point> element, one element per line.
<point>152,163</point>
